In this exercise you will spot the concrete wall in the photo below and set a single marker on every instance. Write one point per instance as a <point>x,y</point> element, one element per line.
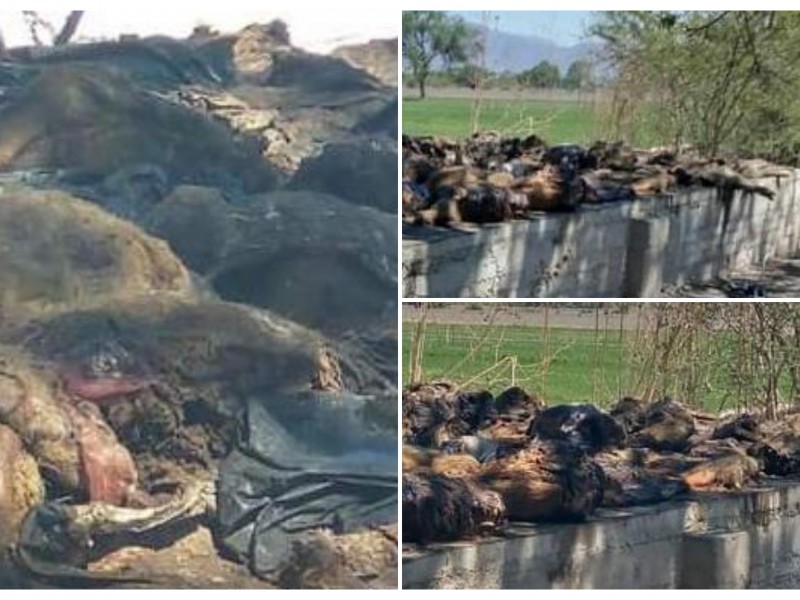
<point>740,540</point>
<point>610,250</point>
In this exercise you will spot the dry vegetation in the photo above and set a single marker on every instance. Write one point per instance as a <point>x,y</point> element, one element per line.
<point>716,356</point>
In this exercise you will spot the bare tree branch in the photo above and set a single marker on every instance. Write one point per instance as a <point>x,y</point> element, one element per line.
<point>69,28</point>
<point>708,24</point>
<point>36,22</point>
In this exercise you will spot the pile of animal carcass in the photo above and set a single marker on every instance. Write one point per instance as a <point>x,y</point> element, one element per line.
<point>197,315</point>
<point>473,462</point>
<point>489,178</point>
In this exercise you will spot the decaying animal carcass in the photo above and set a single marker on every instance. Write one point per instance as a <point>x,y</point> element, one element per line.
<point>583,426</point>
<point>568,461</point>
<point>667,426</point>
<point>124,381</point>
<point>488,178</point>
<point>78,452</point>
<point>546,482</point>
<point>438,508</point>
<point>118,382</point>
<point>334,259</point>
<point>60,253</point>
<point>156,391</point>
<point>630,413</point>
<point>438,414</point>
<point>734,471</point>
<point>743,427</point>
<point>21,488</point>
<point>638,476</point>
<point>56,540</point>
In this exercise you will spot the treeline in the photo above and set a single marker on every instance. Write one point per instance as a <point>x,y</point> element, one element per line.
<point>544,75</point>
<point>443,49</point>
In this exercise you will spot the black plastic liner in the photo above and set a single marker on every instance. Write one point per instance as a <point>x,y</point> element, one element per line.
<point>309,461</point>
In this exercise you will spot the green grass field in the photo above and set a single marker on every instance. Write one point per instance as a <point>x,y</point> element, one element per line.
<point>556,122</point>
<point>584,365</point>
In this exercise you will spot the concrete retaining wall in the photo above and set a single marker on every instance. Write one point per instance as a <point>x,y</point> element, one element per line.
<point>611,250</point>
<point>743,540</point>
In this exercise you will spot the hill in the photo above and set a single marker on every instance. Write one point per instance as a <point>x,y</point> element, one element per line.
<point>515,53</point>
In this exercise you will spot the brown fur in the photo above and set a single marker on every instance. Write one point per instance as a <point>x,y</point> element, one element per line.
<point>456,177</point>
<point>441,508</point>
<point>725,177</point>
<point>650,185</point>
<point>732,471</point>
<point>444,212</point>
<point>29,406</point>
<point>455,465</point>
<point>417,459</point>
<point>21,487</point>
<point>500,179</point>
<point>543,189</point>
<point>545,482</point>
<point>668,426</point>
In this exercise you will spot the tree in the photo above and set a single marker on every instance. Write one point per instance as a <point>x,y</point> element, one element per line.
<point>430,36</point>
<point>723,80</point>
<point>470,76</point>
<point>543,75</point>
<point>58,38</point>
<point>69,28</point>
<point>579,75</point>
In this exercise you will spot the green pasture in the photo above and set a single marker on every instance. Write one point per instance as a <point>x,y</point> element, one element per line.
<point>556,122</point>
<point>560,365</point>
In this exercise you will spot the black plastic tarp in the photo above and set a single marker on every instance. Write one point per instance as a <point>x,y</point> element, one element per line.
<point>308,461</point>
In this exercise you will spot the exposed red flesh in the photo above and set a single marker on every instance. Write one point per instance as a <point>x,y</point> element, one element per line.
<point>99,389</point>
<point>108,473</point>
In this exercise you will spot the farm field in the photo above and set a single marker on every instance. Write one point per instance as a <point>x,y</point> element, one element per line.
<point>555,121</point>
<point>581,368</point>
<point>561,364</point>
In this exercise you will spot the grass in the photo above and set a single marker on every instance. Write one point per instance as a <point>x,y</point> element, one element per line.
<point>556,122</point>
<point>583,367</point>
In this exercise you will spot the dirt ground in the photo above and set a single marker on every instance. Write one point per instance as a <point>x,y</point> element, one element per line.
<point>559,316</point>
<point>191,562</point>
<point>779,278</point>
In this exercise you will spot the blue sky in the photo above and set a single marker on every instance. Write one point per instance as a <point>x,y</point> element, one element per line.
<point>561,26</point>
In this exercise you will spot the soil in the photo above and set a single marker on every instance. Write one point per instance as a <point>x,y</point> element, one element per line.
<point>191,562</point>
<point>471,313</point>
<point>779,278</point>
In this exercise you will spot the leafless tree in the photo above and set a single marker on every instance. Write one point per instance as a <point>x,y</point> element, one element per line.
<point>69,28</point>
<point>36,24</point>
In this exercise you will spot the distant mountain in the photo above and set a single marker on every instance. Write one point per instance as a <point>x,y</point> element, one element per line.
<point>515,53</point>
